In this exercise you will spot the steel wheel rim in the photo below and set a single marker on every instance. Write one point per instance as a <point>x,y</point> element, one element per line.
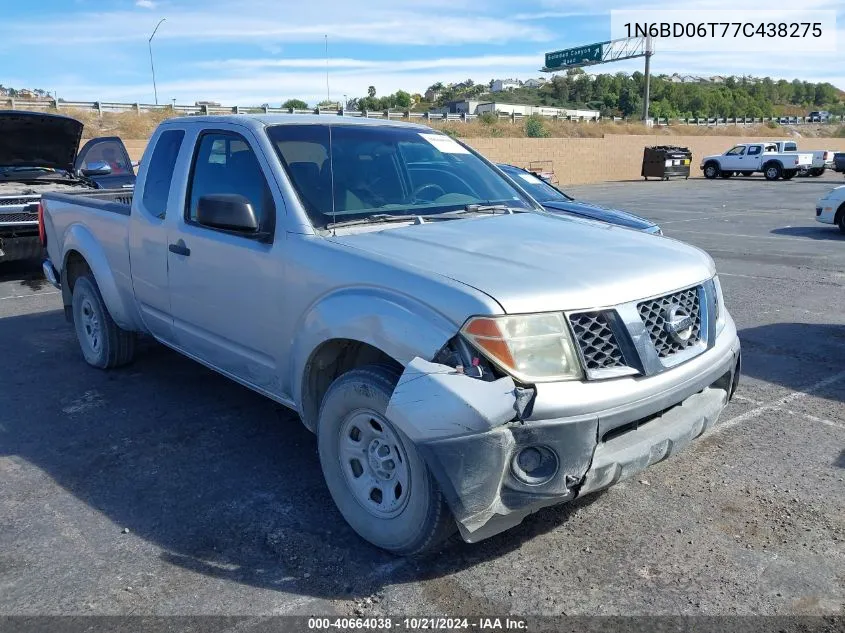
<point>91,326</point>
<point>374,463</point>
<point>771,172</point>
<point>710,171</point>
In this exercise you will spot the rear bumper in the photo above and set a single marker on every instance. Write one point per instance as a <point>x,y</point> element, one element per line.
<point>477,474</point>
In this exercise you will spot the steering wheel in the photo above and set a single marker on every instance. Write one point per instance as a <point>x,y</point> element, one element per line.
<point>415,195</point>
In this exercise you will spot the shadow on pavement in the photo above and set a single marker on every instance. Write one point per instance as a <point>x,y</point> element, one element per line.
<point>796,355</point>
<point>225,481</point>
<point>820,232</point>
<point>27,272</point>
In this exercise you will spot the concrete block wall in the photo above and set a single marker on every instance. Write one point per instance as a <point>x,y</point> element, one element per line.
<point>614,157</point>
<point>589,160</point>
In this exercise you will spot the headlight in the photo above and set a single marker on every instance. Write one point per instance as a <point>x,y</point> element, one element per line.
<point>720,305</point>
<point>530,347</point>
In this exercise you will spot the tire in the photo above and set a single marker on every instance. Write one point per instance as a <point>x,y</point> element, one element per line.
<point>789,174</point>
<point>817,171</point>
<point>103,343</point>
<point>711,171</point>
<point>772,171</point>
<point>747,173</point>
<point>840,214</point>
<point>726,174</point>
<point>409,514</point>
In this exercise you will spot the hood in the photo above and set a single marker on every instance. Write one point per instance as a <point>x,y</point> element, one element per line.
<point>34,139</point>
<point>532,262</point>
<point>603,214</point>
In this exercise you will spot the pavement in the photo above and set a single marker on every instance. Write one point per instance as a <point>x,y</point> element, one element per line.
<point>163,488</point>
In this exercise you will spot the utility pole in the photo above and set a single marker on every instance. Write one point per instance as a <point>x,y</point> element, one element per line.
<point>648,54</point>
<point>152,66</point>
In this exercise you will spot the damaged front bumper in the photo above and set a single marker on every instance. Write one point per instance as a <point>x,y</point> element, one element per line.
<point>596,433</point>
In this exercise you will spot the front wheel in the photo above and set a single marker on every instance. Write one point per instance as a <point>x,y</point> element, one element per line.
<point>374,473</point>
<point>841,218</point>
<point>104,344</point>
<point>711,171</point>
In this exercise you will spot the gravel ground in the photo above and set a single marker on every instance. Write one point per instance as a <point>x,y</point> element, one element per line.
<point>164,488</point>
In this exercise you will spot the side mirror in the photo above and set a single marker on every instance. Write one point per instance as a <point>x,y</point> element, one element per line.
<point>228,211</point>
<point>97,169</point>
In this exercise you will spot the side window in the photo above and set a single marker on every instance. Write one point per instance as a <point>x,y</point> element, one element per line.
<point>110,152</point>
<point>790,147</point>
<point>160,172</point>
<point>739,150</point>
<point>225,163</point>
<point>753,150</point>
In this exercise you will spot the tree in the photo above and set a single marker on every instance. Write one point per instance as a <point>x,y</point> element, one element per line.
<point>296,104</point>
<point>402,99</point>
<point>371,91</point>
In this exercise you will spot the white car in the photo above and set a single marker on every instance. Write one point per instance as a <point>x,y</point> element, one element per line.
<point>830,208</point>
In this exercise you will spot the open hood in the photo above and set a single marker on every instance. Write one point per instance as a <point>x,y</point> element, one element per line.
<point>35,139</point>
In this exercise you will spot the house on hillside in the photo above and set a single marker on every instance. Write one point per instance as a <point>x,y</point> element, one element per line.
<point>534,83</point>
<point>503,85</point>
<point>717,79</point>
<point>432,95</point>
<point>27,95</point>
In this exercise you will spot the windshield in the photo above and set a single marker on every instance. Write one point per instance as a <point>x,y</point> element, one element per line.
<point>385,170</point>
<point>537,188</point>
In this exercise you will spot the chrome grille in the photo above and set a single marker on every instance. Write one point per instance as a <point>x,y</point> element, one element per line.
<point>18,217</point>
<point>15,202</point>
<point>595,337</point>
<point>655,312</point>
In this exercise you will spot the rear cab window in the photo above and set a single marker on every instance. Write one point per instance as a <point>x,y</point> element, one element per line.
<point>160,172</point>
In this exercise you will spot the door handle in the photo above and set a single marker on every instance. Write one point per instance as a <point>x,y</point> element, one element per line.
<point>179,248</point>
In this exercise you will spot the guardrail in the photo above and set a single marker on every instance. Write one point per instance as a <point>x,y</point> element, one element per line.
<point>108,106</point>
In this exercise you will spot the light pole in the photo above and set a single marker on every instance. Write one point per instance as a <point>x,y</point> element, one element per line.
<point>152,66</point>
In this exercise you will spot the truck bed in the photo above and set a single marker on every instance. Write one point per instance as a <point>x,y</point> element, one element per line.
<point>112,200</point>
<point>91,217</point>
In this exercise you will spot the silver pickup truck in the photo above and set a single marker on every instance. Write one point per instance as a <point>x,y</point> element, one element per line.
<point>464,357</point>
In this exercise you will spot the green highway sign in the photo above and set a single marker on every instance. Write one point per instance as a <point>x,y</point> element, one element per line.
<point>589,54</point>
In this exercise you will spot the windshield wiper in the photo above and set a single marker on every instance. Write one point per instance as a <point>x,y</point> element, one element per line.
<point>378,217</point>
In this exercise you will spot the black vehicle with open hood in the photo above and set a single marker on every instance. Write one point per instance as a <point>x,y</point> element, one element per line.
<point>40,152</point>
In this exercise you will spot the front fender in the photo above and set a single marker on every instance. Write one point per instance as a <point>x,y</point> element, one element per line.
<point>395,323</point>
<point>78,238</point>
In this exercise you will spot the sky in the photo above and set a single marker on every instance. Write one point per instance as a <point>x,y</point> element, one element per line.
<point>250,52</point>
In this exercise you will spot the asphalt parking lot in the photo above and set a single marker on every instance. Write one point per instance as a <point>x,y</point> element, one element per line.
<point>163,488</point>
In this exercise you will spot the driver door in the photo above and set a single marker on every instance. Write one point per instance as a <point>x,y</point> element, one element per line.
<point>734,159</point>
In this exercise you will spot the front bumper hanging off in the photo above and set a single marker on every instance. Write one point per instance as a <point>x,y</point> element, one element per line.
<point>469,433</point>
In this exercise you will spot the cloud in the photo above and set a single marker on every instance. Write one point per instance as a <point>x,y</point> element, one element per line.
<point>145,4</point>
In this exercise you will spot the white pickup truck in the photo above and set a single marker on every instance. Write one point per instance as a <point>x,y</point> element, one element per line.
<point>822,159</point>
<point>748,158</point>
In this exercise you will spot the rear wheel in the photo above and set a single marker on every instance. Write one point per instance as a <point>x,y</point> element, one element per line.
<point>772,171</point>
<point>374,473</point>
<point>711,170</point>
<point>817,171</point>
<point>104,344</point>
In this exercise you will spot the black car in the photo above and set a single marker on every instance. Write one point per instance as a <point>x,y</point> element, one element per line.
<point>556,201</point>
<point>839,161</point>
